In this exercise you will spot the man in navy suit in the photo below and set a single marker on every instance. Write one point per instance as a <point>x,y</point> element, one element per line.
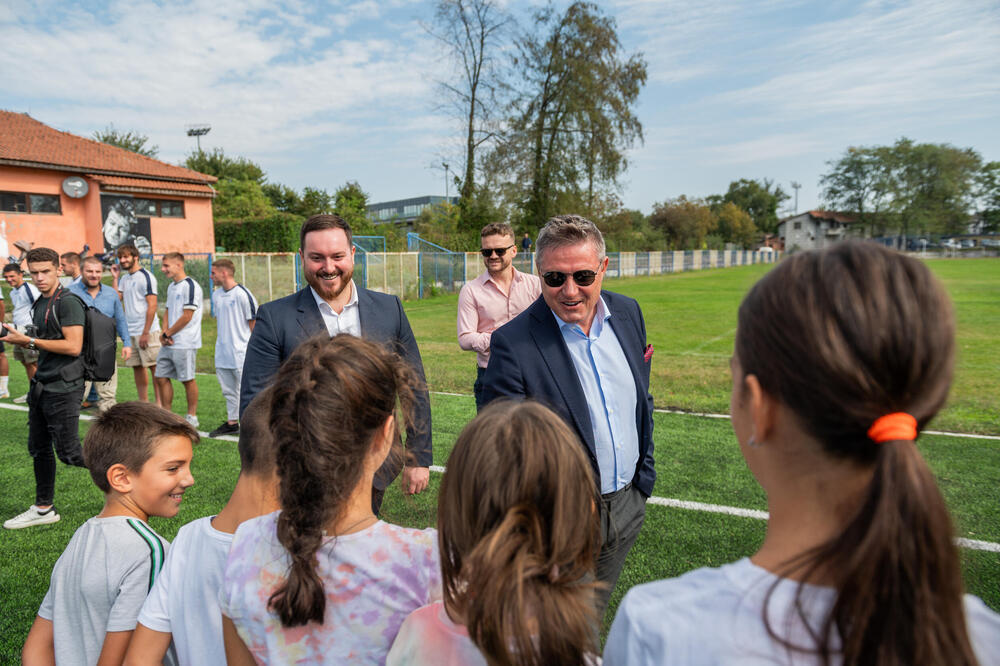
<point>332,303</point>
<point>582,352</point>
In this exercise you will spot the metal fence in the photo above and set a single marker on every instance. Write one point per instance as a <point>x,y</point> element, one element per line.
<point>430,269</point>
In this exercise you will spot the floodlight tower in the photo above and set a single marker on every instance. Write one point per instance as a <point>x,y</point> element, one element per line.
<point>796,186</point>
<point>445,165</point>
<point>198,131</point>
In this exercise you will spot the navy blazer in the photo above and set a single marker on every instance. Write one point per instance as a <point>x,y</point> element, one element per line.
<point>284,324</point>
<point>529,359</point>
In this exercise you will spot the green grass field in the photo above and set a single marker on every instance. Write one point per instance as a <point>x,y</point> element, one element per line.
<point>690,319</point>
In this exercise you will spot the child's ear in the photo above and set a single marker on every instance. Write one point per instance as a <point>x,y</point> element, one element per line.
<point>119,478</point>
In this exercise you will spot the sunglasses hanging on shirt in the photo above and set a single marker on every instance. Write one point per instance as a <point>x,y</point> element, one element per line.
<point>581,278</point>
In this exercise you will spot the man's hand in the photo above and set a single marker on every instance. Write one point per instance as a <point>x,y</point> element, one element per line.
<point>15,338</point>
<point>143,340</point>
<point>415,479</point>
<point>126,353</point>
<point>165,339</point>
<point>115,270</point>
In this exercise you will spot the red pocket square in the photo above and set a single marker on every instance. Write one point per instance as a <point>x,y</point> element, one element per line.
<point>648,354</point>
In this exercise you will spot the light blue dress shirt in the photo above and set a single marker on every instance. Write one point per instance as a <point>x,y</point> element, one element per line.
<point>107,304</point>
<point>609,388</point>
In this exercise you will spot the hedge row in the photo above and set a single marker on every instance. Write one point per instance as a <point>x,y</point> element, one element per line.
<point>276,233</point>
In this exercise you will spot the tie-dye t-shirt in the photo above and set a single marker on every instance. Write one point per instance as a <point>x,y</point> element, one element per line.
<point>430,638</point>
<point>373,579</point>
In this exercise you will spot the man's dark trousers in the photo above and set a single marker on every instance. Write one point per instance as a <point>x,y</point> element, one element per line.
<point>53,421</point>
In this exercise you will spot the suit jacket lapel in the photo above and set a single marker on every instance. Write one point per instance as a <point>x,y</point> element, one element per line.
<point>373,327</point>
<point>552,348</point>
<point>308,315</point>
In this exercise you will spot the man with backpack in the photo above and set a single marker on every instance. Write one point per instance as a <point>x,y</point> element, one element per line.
<point>56,332</point>
<point>105,300</point>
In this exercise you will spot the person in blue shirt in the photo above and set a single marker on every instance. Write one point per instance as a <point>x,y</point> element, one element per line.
<point>105,300</point>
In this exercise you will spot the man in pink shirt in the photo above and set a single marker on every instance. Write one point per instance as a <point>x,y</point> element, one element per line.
<point>494,298</point>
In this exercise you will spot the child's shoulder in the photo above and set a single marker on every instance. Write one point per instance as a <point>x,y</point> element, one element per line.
<point>413,535</point>
<point>127,538</point>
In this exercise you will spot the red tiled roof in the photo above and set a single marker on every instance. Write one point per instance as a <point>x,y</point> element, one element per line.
<point>843,218</point>
<point>144,185</point>
<point>25,141</point>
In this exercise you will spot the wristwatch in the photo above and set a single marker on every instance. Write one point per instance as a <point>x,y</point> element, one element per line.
<point>31,344</point>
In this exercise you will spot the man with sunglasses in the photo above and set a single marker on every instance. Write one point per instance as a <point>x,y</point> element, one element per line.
<point>582,352</point>
<point>494,298</point>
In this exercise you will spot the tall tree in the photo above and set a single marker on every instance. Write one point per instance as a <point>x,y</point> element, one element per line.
<point>736,226</point>
<point>988,192</point>
<point>573,114</point>
<point>760,198</point>
<point>684,222</point>
<point>220,165</point>
<point>129,140</point>
<point>472,32</point>
<point>349,202</point>
<point>860,182</point>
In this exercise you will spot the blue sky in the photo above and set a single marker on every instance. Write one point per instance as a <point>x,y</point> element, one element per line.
<point>322,93</point>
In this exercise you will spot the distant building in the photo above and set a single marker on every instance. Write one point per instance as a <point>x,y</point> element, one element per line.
<point>63,191</point>
<point>814,229</point>
<point>404,211</point>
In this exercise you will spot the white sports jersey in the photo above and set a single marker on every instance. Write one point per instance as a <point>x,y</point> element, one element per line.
<point>233,309</point>
<point>181,296</point>
<point>135,287</point>
<point>23,298</point>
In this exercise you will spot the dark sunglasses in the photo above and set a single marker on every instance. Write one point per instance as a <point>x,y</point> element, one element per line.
<point>582,278</point>
<point>487,251</point>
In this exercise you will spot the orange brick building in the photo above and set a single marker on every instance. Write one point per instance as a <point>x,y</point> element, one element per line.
<point>63,191</point>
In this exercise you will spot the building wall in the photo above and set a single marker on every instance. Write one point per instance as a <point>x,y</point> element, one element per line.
<point>80,221</point>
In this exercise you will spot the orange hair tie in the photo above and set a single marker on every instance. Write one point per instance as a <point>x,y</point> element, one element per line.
<point>891,427</point>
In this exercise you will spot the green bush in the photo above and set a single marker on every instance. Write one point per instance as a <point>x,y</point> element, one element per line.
<point>275,233</point>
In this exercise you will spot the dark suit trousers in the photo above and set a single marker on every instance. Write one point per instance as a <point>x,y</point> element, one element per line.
<point>621,513</point>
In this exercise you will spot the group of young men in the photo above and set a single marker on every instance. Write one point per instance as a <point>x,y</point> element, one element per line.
<point>47,336</point>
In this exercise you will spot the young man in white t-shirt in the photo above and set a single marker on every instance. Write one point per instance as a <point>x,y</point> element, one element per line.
<point>181,339</point>
<point>184,602</point>
<point>235,311</point>
<point>138,291</point>
<point>22,296</point>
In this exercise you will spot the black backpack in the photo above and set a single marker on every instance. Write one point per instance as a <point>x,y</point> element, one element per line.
<point>99,340</point>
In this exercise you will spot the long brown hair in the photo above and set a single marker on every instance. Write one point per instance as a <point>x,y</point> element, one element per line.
<point>517,529</point>
<point>331,397</point>
<point>842,337</point>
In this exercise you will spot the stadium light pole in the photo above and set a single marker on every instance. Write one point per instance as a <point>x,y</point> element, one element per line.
<point>445,165</point>
<point>198,131</point>
<point>796,186</point>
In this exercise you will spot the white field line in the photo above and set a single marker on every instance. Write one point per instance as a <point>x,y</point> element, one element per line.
<point>972,544</point>
<point>693,351</point>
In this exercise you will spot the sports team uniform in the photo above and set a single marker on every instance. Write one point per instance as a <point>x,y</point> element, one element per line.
<point>135,287</point>
<point>177,361</point>
<point>233,310</point>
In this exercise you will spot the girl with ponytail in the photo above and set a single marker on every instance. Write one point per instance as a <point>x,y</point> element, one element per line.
<point>323,580</point>
<point>842,356</point>
<point>517,530</point>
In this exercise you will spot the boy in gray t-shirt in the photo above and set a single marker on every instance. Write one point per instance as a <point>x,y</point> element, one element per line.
<point>139,455</point>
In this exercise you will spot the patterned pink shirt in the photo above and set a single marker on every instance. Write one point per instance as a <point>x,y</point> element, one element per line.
<point>484,307</point>
<point>373,579</point>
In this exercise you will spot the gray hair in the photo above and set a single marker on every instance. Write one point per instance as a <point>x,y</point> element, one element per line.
<point>563,230</point>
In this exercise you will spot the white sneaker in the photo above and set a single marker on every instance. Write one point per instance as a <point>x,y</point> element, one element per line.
<point>33,516</point>
<point>22,399</point>
<point>192,419</point>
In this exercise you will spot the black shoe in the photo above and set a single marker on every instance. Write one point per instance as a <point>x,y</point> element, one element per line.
<point>225,429</point>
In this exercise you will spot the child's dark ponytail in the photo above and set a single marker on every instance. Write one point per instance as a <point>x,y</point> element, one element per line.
<point>846,338</point>
<point>518,532</point>
<point>331,398</point>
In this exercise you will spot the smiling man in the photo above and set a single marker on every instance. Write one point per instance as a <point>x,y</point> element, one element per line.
<point>333,304</point>
<point>494,298</point>
<point>582,351</point>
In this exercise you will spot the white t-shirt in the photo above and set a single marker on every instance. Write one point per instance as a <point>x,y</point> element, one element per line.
<point>135,287</point>
<point>22,298</point>
<point>184,600</point>
<point>233,310</point>
<point>185,295</point>
<point>373,579</point>
<point>99,584</point>
<point>715,616</point>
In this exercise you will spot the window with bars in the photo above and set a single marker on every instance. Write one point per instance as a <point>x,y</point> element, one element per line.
<point>32,204</point>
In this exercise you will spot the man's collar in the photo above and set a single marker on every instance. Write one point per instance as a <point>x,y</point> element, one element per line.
<point>320,301</point>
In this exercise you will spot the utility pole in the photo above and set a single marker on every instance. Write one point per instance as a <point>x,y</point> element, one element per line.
<point>445,165</point>
<point>796,186</point>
